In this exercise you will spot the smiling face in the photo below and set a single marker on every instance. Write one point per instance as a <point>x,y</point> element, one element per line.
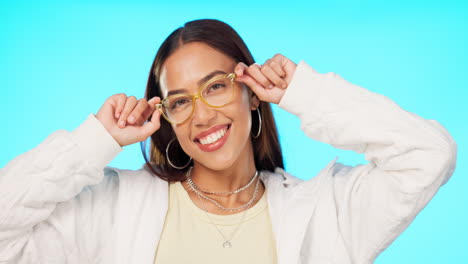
<point>216,138</point>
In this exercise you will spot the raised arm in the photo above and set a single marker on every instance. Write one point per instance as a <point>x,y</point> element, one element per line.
<point>409,157</point>
<point>40,220</point>
<point>58,200</point>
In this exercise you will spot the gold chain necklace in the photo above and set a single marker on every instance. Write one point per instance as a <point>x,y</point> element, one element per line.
<point>189,182</point>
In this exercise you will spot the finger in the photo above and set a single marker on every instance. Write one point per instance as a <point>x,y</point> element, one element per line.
<point>136,113</point>
<point>240,69</point>
<point>148,111</point>
<point>276,67</point>
<point>255,72</point>
<point>287,65</point>
<point>120,101</point>
<point>273,76</point>
<point>129,105</point>
<point>256,87</point>
<point>151,126</point>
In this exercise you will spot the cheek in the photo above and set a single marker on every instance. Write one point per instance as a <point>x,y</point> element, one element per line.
<point>242,110</point>
<point>181,132</point>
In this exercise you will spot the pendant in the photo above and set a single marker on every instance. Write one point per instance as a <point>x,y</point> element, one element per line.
<point>227,244</point>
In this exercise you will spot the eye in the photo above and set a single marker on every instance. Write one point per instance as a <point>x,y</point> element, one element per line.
<point>215,87</point>
<point>179,103</point>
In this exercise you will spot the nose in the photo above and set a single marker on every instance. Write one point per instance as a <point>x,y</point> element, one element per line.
<point>203,114</point>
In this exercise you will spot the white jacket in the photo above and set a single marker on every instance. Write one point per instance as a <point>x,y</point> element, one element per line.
<point>60,204</point>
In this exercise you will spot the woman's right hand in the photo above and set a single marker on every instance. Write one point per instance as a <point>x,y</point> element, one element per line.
<point>124,118</point>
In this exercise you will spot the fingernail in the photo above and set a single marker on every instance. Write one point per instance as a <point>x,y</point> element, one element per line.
<point>131,119</point>
<point>117,115</point>
<point>122,123</point>
<point>271,86</point>
<point>284,86</point>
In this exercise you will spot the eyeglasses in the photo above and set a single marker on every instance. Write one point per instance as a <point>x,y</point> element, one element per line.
<point>216,93</point>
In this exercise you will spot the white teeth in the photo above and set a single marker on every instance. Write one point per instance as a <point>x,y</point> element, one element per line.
<point>213,137</point>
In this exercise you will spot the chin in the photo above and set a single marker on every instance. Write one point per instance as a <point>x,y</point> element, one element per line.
<point>217,164</point>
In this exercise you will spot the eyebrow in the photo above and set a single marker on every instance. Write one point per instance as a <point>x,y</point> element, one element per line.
<point>200,82</point>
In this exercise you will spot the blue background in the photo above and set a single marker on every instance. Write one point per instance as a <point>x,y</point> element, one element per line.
<point>59,61</point>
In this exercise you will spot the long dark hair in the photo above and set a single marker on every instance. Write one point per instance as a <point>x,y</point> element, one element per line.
<point>220,36</point>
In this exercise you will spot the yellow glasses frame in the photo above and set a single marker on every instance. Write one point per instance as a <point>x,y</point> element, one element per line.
<point>230,76</point>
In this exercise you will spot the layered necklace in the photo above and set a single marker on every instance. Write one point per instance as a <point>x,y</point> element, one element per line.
<point>199,191</point>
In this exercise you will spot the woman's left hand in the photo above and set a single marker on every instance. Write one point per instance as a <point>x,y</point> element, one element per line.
<point>268,81</point>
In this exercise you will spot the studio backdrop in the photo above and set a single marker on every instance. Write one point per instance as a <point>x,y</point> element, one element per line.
<point>60,60</point>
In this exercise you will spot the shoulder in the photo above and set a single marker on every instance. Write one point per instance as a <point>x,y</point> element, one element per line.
<point>279,177</point>
<point>332,172</point>
<point>127,177</point>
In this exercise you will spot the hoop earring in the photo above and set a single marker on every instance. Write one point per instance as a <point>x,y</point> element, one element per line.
<point>169,161</point>
<point>259,123</point>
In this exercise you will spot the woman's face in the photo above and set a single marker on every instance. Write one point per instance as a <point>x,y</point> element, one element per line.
<point>229,125</point>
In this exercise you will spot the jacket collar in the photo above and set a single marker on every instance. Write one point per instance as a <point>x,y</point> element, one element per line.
<point>290,220</point>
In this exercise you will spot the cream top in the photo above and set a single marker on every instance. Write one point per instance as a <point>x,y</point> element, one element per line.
<point>189,237</point>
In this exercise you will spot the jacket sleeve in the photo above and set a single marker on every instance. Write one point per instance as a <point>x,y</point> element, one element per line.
<point>53,197</point>
<point>409,157</point>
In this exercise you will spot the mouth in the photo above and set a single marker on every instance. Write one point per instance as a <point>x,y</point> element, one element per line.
<point>214,138</point>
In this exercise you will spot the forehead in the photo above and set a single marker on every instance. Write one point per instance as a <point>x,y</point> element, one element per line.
<point>189,64</point>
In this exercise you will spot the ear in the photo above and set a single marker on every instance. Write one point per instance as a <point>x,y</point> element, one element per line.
<point>254,101</point>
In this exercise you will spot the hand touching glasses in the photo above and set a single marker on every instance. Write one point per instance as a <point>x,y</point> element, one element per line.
<point>268,81</point>
<point>124,118</point>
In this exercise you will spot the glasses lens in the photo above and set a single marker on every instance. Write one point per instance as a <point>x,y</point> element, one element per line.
<point>178,108</point>
<point>218,92</point>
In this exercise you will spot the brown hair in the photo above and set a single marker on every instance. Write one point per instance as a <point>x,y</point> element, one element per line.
<point>221,36</point>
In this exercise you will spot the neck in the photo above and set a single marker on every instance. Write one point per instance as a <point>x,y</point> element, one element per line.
<point>224,180</point>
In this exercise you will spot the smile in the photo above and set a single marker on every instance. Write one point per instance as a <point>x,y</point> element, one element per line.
<point>213,138</point>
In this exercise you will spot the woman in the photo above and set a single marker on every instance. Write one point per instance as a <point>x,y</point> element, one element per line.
<point>214,189</point>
